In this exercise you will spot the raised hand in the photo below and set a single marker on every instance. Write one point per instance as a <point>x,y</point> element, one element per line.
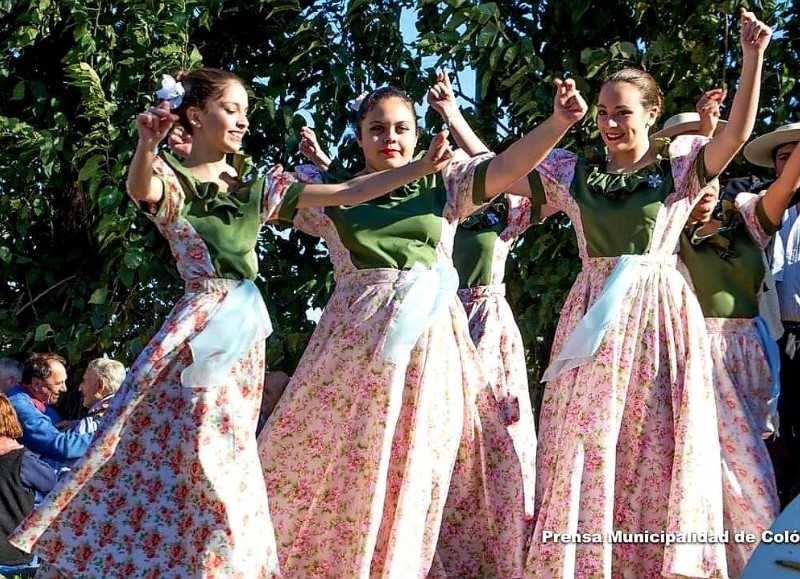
<point>154,124</point>
<point>708,107</point>
<point>755,35</point>
<point>180,141</point>
<point>569,105</point>
<point>310,149</point>
<point>441,97</point>
<point>439,153</point>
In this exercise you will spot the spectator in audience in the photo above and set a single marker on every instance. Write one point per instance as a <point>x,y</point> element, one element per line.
<point>22,476</point>
<point>773,150</point>
<point>44,379</point>
<point>100,383</point>
<point>10,373</point>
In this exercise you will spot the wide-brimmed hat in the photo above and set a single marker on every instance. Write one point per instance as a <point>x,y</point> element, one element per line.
<point>683,123</point>
<point>759,150</point>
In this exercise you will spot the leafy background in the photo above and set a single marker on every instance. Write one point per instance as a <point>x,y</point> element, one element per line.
<point>82,274</point>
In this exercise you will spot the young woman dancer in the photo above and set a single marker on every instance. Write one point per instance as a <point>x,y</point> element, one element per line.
<point>726,261</point>
<point>628,439</point>
<point>172,484</point>
<point>387,449</point>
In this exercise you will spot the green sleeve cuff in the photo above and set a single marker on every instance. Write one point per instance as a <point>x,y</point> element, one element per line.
<point>479,183</point>
<point>536,212</point>
<point>288,208</point>
<point>538,198</point>
<point>768,226</point>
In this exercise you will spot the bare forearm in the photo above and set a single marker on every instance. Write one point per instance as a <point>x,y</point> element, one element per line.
<point>362,188</point>
<point>140,174</point>
<point>524,155</point>
<point>464,136</point>
<point>723,148</point>
<point>779,194</point>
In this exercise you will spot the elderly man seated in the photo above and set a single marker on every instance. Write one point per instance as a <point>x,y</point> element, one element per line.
<point>101,381</point>
<point>43,381</point>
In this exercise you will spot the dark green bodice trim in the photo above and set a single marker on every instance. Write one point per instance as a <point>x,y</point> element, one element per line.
<point>479,183</point>
<point>618,211</point>
<point>395,230</point>
<point>228,222</point>
<point>474,245</point>
<point>727,281</point>
<point>727,267</point>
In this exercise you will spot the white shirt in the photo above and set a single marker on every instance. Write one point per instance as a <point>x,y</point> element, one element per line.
<point>786,265</point>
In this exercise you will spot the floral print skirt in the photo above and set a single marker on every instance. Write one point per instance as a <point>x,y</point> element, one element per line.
<point>743,387</point>
<point>377,469</point>
<point>171,485</point>
<point>628,442</point>
<point>500,349</point>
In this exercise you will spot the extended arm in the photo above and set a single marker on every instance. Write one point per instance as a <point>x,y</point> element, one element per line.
<point>755,36</point>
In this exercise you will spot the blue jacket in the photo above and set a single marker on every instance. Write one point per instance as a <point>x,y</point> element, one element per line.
<point>39,433</point>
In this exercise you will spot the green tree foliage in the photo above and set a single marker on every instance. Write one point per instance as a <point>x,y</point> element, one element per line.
<point>83,274</point>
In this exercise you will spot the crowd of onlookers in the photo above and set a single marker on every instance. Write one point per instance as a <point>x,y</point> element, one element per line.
<point>37,445</point>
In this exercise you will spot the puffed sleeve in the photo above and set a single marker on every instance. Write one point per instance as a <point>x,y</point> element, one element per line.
<point>551,180</point>
<point>310,220</point>
<point>688,169</point>
<point>522,213</point>
<point>758,224</point>
<point>171,203</point>
<point>465,182</point>
<point>280,196</point>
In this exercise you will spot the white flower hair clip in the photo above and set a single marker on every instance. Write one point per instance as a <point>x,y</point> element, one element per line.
<point>355,103</point>
<point>171,91</point>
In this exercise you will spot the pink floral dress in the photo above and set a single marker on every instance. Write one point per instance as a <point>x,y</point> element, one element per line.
<point>743,377</point>
<point>628,441</point>
<point>481,251</point>
<point>171,485</point>
<point>375,468</point>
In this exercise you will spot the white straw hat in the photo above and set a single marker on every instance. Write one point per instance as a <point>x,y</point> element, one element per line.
<point>683,123</point>
<point>759,150</point>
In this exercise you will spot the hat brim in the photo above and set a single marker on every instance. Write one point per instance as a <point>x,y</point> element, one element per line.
<point>759,150</point>
<point>681,128</point>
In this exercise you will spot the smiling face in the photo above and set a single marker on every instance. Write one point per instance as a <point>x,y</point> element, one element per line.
<point>623,120</point>
<point>91,387</point>
<point>222,121</point>
<point>48,390</point>
<point>388,134</point>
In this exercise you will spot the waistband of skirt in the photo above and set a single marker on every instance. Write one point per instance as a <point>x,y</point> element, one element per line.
<point>211,284</point>
<point>650,259</point>
<point>482,291</point>
<point>793,327</point>
<point>372,276</point>
<point>732,325</point>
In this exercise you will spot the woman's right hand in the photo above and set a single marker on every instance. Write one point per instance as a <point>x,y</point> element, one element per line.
<point>569,106</point>
<point>438,155</point>
<point>154,124</point>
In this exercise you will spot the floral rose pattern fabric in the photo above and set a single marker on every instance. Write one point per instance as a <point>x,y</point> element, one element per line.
<point>628,441</point>
<point>171,485</point>
<point>379,469</point>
